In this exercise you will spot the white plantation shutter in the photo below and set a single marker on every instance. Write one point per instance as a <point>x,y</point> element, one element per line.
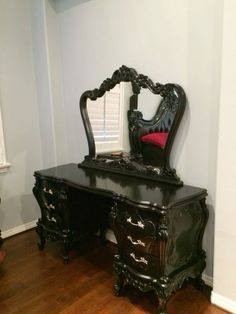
<point>105,115</point>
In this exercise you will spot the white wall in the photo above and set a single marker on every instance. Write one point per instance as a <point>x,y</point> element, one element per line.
<point>224,293</point>
<point>18,100</point>
<point>170,41</point>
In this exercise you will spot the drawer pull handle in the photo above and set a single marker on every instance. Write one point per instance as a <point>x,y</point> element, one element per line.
<point>138,242</point>
<point>48,191</point>
<point>139,260</point>
<point>139,224</point>
<point>50,206</point>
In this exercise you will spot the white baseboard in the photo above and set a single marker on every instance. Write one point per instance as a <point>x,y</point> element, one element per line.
<point>207,279</point>
<point>18,229</point>
<point>223,302</point>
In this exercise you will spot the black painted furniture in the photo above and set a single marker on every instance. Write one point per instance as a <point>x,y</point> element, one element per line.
<point>150,140</point>
<point>157,220</point>
<point>68,211</point>
<point>158,227</point>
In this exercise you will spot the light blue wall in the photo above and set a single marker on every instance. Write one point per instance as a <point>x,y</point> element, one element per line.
<point>20,115</point>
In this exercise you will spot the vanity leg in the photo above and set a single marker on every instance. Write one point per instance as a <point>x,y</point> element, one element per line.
<point>102,235</point>
<point>162,306</point>
<point>118,287</point>
<point>199,283</point>
<point>65,251</point>
<point>39,231</point>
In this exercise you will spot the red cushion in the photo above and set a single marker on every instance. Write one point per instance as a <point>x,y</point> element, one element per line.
<point>157,138</point>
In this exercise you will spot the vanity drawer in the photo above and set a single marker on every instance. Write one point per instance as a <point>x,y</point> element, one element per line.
<point>137,221</point>
<point>141,261</point>
<point>49,191</point>
<point>52,212</point>
<point>139,241</point>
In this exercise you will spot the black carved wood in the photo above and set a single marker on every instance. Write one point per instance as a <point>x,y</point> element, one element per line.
<point>145,159</point>
<point>158,249</point>
<point>67,214</point>
<point>158,227</point>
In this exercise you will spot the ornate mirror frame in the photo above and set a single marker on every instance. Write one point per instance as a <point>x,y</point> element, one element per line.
<point>145,159</point>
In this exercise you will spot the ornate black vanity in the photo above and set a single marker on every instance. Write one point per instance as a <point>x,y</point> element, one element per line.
<point>158,222</point>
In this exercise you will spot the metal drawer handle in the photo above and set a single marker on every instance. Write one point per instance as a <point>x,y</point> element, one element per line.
<point>138,242</point>
<point>139,260</point>
<point>50,206</point>
<point>49,191</point>
<point>139,224</point>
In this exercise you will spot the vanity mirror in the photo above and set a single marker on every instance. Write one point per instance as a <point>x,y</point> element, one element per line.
<point>130,123</point>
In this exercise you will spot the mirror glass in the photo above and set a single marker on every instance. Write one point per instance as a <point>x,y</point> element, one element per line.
<point>108,118</point>
<point>152,132</point>
<point>148,103</point>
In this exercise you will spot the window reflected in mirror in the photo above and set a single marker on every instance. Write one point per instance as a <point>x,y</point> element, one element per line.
<point>108,118</point>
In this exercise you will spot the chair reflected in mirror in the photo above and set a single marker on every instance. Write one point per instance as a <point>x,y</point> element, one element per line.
<point>131,123</point>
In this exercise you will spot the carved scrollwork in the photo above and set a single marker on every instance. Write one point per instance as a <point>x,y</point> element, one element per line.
<point>114,211</point>
<point>126,74</point>
<point>163,285</point>
<point>135,118</point>
<point>131,167</point>
<point>145,158</point>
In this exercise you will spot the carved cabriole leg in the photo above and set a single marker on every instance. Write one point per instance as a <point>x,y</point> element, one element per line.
<point>66,250</point>
<point>102,235</point>
<point>118,287</point>
<point>66,234</point>
<point>162,306</point>
<point>199,283</point>
<point>39,231</point>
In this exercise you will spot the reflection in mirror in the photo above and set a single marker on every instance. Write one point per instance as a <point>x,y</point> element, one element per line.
<point>148,103</point>
<point>153,132</point>
<point>131,123</point>
<point>108,118</point>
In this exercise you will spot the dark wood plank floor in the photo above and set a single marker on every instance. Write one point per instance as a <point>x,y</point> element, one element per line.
<point>37,282</point>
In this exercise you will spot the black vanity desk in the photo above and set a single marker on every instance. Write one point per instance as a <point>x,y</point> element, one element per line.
<point>158,222</point>
<point>158,227</point>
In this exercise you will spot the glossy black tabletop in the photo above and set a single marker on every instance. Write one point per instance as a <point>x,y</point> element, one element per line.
<point>137,190</point>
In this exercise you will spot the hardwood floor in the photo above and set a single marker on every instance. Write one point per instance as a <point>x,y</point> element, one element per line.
<point>37,282</point>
